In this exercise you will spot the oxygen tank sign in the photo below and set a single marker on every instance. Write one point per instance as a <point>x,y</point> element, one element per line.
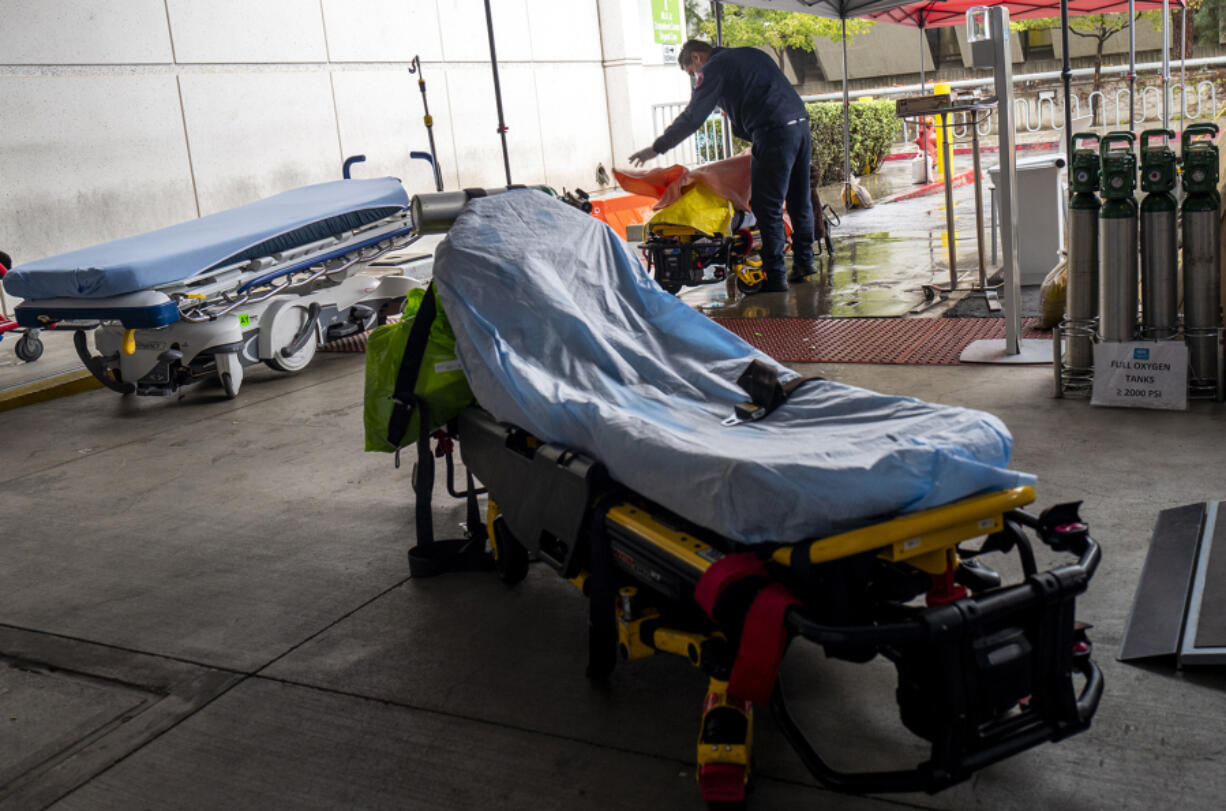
<point>1159,271</point>
<point>1117,238</point>
<point>1202,314</point>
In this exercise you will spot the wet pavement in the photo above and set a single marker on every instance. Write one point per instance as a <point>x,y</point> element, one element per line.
<point>884,256</point>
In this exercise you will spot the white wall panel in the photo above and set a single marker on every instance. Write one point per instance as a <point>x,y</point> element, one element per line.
<point>247,31</point>
<point>383,30</point>
<point>475,125</point>
<point>464,30</point>
<point>252,135</point>
<point>74,173</point>
<point>76,32</point>
<point>564,30</point>
<point>380,116</point>
<point>574,124</point>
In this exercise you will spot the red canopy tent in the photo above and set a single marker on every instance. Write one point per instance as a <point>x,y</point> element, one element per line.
<point>938,13</point>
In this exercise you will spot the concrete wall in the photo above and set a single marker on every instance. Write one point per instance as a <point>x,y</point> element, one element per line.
<point>884,50</point>
<point>1148,37</point>
<point>128,115</point>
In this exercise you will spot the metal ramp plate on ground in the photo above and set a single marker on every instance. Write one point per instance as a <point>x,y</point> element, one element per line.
<point>1180,605</point>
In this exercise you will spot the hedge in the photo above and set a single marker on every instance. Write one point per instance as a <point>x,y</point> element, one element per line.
<point>873,127</point>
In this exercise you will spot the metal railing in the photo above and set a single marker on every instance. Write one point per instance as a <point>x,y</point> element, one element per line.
<point>703,146</point>
<point>1110,111</point>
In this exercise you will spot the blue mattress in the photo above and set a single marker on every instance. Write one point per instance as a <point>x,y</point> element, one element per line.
<point>561,332</point>
<point>181,251</point>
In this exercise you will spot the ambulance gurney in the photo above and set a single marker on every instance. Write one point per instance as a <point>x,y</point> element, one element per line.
<point>711,504</point>
<point>267,281</point>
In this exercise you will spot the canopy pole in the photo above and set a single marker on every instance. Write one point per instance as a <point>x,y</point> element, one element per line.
<point>1066,73</point>
<point>725,128</point>
<point>846,122</point>
<point>1166,65</point>
<point>1183,58</point>
<point>923,129</point>
<point>1132,68</point>
<point>502,126</point>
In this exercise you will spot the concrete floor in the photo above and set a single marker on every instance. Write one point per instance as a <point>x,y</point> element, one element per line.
<point>205,604</point>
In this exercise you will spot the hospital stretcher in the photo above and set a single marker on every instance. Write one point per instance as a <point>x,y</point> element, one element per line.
<point>985,669</point>
<point>264,282</point>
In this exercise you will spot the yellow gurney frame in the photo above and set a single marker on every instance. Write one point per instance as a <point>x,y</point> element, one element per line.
<point>985,670</point>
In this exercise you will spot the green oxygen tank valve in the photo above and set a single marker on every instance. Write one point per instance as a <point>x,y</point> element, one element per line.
<point>1085,164</point>
<point>1200,159</point>
<point>1158,171</point>
<point>1118,178</point>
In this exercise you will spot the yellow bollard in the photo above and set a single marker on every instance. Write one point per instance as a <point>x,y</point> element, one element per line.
<point>938,89</point>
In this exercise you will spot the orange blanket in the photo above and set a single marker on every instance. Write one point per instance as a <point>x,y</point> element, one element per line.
<point>728,178</point>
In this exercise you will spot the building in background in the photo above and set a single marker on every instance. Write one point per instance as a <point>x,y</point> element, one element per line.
<point>122,117</point>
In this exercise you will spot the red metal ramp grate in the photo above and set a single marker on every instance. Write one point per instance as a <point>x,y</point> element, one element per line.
<point>908,341</point>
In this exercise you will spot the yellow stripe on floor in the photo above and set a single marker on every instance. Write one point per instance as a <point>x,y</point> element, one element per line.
<point>48,388</point>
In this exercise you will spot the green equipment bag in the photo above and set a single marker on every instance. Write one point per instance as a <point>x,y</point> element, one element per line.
<point>413,358</point>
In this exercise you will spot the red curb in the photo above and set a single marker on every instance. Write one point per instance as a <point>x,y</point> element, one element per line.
<point>960,179</point>
<point>966,150</point>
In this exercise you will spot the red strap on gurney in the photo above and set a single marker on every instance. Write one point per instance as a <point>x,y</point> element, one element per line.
<point>763,638</point>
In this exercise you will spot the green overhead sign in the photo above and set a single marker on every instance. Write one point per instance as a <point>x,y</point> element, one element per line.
<point>666,21</point>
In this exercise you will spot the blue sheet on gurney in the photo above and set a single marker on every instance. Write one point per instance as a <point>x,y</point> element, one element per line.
<point>181,251</point>
<point>561,332</point>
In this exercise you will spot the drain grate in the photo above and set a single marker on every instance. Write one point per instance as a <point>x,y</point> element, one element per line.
<point>908,341</point>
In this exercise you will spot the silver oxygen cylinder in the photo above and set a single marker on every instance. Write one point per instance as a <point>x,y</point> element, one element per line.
<point>1081,303</point>
<point>1117,238</point>
<point>1202,290</point>
<point>1159,265</point>
<point>1117,262</point>
<point>1159,269</point>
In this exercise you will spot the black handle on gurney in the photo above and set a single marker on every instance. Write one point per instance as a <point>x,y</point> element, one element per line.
<point>955,629</point>
<point>350,161</point>
<point>436,213</point>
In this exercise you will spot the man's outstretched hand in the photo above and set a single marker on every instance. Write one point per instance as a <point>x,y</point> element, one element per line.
<point>642,156</point>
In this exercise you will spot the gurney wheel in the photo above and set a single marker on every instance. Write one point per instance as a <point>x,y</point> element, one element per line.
<point>227,383</point>
<point>29,348</point>
<point>285,329</point>
<point>747,288</point>
<point>510,557</point>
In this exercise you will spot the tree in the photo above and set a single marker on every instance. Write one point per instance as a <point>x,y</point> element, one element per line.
<point>1098,27</point>
<point>695,11</point>
<point>778,30</point>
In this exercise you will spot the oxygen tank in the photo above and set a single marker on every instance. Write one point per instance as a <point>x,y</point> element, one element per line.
<point>1117,238</point>
<point>1081,296</point>
<point>1202,314</point>
<point>1159,270</point>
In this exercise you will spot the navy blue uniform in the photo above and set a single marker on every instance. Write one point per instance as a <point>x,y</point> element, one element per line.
<point>763,108</point>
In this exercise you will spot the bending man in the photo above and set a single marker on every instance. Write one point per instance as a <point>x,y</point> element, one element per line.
<point>763,108</point>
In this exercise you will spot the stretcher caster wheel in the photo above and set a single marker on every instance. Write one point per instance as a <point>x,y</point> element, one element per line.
<point>510,557</point>
<point>227,383</point>
<point>230,373</point>
<point>746,287</point>
<point>29,348</point>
